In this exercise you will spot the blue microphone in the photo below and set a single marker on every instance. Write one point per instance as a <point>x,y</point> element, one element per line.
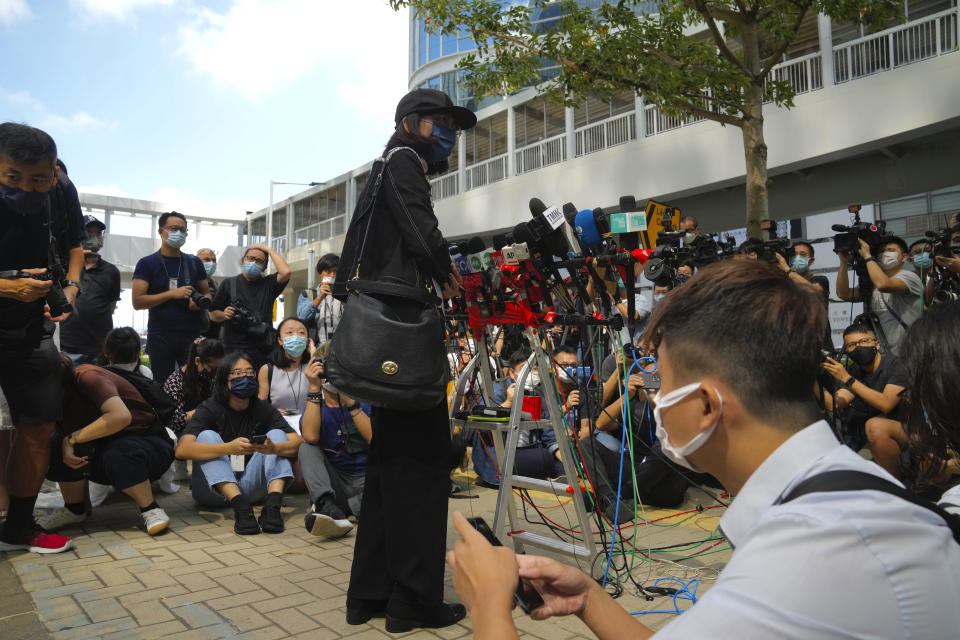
<point>586,228</point>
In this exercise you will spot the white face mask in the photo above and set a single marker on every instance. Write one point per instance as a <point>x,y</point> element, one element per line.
<point>889,259</point>
<point>689,237</point>
<point>679,454</point>
<point>533,379</point>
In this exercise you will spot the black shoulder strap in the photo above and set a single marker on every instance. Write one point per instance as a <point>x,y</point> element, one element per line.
<point>849,480</point>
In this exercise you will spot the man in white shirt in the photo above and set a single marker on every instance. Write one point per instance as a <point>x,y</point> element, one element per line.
<point>738,349</point>
<point>897,296</point>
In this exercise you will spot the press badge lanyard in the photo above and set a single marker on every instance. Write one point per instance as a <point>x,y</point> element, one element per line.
<point>172,283</point>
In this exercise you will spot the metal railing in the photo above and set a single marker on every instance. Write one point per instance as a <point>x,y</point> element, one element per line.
<point>656,122</point>
<point>608,133</point>
<point>805,74</point>
<point>901,45</point>
<point>320,231</point>
<point>542,154</point>
<point>279,244</point>
<point>445,186</point>
<point>487,172</point>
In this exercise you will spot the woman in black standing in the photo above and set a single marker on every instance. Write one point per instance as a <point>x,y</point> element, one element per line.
<point>398,560</point>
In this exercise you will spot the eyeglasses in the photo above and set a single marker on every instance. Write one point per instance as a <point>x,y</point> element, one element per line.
<point>174,229</point>
<point>259,261</point>
<point>242,372</point>
<point>862,342</point>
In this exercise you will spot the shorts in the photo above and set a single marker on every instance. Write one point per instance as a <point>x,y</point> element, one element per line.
<point>30,379</point>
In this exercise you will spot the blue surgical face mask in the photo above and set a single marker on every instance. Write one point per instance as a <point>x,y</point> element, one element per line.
<point>244,387</point>
<point>176,239</point>
<point>294,345</point>
<point>252,269</point>
<point>443,145</point>
<point>800,263</point>
<point>659,297</point>
<point>210,268</point>
<point>923,260</point>
<point>25,203</point>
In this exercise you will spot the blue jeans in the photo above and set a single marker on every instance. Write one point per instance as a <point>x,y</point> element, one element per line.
<point>253,481</point>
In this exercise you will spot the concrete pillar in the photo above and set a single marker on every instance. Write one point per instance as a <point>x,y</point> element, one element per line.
<point>640,108</point>
<point>569,125</point>
<point>511,142</point>
<point>825,31</point>
<point>462,163</point>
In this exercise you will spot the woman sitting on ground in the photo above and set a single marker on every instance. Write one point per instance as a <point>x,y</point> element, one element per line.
<point>281,380</point>
<point>192,383</point>
<point>110,435</point>
<point>242,445</point>
<point>121,349</point>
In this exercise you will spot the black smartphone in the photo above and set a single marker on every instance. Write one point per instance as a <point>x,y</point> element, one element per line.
<point>258,439</point>
<point>526,597</point>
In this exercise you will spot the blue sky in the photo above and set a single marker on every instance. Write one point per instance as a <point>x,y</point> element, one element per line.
<point>200,104</point>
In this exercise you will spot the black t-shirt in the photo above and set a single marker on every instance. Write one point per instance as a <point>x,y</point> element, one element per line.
<point>92,317</point>
<point>256,295</point>
<point>889,371</point>
<point>24,244</point>
<point>256,420</point>
<point>823,283</point>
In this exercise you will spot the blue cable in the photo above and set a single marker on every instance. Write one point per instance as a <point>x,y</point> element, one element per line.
<point>683,593</point>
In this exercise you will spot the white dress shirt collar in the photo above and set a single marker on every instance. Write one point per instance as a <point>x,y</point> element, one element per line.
<point>778,473</point>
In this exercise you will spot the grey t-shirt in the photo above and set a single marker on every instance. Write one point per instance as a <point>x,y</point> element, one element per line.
<point>898,309</point>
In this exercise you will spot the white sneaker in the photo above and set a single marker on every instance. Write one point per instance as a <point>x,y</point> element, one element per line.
<point>166,482</point>
<point>325,526</point>
<point>155,520</point>
<point>58,518</point>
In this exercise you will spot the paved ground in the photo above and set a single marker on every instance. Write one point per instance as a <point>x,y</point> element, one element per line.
<point>200,580</point>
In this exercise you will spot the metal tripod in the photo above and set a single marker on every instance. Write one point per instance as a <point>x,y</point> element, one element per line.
<point>506,452</point>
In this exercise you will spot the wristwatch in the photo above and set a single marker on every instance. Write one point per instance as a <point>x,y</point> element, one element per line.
<point>352,408</point>
<point>70,283</point>
<point>849,381</point>
<point>72,439</point>
<point>870,259</point>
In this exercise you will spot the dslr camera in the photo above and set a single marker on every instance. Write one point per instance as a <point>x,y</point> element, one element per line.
<point>200,300</point>
<point>248,322</point>
<point>56,298</point>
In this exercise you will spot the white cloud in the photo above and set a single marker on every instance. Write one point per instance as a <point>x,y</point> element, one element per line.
<point>113,9</point>
<point>259,45</point>
<point>37,114</point>
<point>12,11</point>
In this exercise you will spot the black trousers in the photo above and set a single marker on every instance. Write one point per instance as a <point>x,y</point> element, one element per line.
<point>658,483</point>
<point>167,351</point>
<point>402,532</point>
<point>120,462</point>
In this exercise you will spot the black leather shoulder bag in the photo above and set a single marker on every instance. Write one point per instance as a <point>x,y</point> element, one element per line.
<point>389,348</point>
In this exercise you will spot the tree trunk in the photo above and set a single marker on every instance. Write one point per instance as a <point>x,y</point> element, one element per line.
<point>754,147</point>
<point>755,154</point>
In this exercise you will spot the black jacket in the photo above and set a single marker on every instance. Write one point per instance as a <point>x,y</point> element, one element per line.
<point>404,246</point>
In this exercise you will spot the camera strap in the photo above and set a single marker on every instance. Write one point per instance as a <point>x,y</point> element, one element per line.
<point>896,316</point>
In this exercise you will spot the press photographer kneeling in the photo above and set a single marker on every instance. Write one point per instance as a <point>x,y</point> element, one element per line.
<point>868,396</point>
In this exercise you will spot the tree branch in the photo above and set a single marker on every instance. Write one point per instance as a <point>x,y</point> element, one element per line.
<point>689,107</point>
<point>773,58</point>
<point>701,7</point>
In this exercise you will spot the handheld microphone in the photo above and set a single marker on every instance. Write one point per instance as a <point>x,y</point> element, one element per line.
<point>628,204</point>
<point>587,232</point>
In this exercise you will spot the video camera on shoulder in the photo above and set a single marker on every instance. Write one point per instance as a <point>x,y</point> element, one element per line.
<point>847,240</point>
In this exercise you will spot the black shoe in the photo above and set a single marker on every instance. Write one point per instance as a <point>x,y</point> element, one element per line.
<point>360,611</point>
<point>327,520</point>
<point>435,617</point>
<point>244,522</point>
<point>610,512</point>
<point>270,519</point>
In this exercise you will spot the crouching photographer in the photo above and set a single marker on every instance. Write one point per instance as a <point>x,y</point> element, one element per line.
<point>867,391</point>
<point>109,435</point>
<point>244,303</point>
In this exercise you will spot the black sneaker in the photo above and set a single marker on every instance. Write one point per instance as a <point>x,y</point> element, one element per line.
<point>271,521</point>
<point>409,618</point>
<point>244,522</point>
<point>327,520</point>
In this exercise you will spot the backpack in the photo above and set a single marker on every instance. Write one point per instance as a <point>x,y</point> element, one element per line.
<point>152,391</point>
<point>849,480</point>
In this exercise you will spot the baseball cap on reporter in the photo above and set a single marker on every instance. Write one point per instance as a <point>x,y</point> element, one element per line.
<point>433,101</point>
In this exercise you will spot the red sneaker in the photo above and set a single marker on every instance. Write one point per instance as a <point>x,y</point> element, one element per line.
<point>38,541</point>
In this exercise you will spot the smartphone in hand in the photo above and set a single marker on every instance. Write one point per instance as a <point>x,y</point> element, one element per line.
<point>260,439</point>
<point>526,597</point>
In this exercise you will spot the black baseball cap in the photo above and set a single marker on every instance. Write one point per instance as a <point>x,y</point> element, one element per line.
<point>433,101</point>
<point>89,220</point>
